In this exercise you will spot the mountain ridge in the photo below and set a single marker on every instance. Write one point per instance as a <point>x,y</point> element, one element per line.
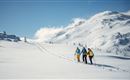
<point>99,32</point>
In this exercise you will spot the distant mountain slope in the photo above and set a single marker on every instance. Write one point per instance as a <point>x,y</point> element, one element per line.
<point>7,37</point>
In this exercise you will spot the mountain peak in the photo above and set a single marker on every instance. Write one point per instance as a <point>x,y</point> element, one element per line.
<point>109,12</point>
<point>109,18</point>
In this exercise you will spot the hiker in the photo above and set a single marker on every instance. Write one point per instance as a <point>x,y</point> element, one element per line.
<point>90,55</point>
<point>84,55</point>
<point>77,53</point>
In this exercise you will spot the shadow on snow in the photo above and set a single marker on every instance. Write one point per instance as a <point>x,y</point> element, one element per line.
<point>119,57</point>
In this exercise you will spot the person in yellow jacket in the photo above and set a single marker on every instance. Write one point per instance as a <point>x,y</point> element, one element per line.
<point>90,55</point>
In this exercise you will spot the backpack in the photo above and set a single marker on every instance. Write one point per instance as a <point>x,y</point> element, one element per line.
<point>78,51</point>
<point>84,51</point>
<point>90,53</point>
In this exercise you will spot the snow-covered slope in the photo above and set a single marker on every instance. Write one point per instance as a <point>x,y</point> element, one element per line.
<point>107,31</point>
<point>56,61</point>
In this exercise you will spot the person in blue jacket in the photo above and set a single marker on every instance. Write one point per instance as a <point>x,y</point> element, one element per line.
<point>77,53</point>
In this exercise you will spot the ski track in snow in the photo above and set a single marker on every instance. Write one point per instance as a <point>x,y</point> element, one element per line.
<point>44,50</point>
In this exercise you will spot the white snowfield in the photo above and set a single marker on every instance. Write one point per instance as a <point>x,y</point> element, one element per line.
<point>56,61</point>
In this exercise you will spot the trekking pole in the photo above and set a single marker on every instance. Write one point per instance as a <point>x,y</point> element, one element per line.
<point>94,60</point>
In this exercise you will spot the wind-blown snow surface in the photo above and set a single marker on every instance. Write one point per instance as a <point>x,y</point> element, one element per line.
<point>37,60</point>
<point>107,31</point>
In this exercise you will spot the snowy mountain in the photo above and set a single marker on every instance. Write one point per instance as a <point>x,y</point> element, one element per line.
<point>107,31</point>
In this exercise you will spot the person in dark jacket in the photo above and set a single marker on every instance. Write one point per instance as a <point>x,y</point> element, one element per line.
<point>84,55</point>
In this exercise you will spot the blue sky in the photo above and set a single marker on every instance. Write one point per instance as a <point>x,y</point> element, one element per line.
<point>25,17</point>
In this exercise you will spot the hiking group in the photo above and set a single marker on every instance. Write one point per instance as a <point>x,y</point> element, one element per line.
<point>85,54</point>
